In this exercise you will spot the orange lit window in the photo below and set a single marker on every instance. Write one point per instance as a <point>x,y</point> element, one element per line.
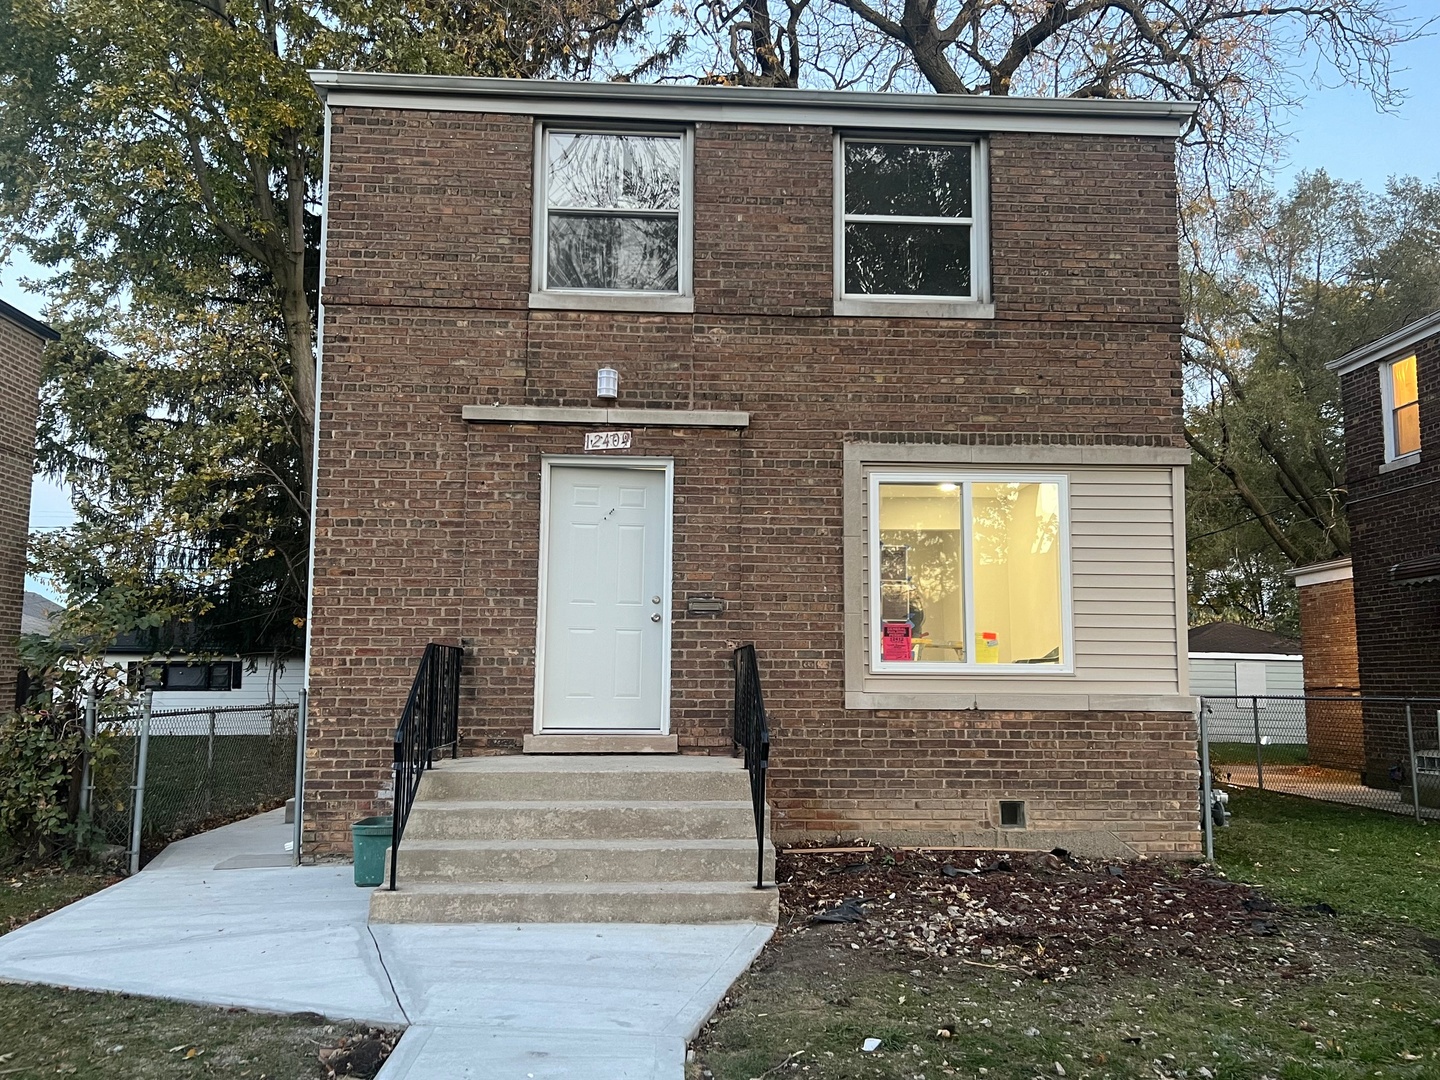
<point>1404,408</point>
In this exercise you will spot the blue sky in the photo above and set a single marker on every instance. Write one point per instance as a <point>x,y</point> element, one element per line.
<point>1338,129</point>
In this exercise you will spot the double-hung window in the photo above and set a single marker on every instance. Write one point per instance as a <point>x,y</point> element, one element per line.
<point>1400,393</point>
<point>969,572</point>
<point>911,227</point>
<point>612,217</point>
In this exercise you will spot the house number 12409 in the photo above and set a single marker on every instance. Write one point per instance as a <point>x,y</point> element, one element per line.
<point>607,440</point>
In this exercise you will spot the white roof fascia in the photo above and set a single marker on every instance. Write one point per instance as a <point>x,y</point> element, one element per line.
<point>1267,656</point>
<point>604,101</point>
<point>1401,340</point>
<point>1321,573</point>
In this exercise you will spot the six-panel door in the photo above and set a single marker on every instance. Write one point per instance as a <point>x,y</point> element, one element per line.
<point>604,631</point>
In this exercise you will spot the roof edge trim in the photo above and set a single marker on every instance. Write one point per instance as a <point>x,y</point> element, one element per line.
<point>1399,341</point>
<point>748,104</point>
<point>43,331</point>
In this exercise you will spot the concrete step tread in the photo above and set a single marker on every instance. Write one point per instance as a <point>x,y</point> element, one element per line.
<point>443,805</point>
<point>611,763</point>
<point>573,888</point>
<point>603,844</point>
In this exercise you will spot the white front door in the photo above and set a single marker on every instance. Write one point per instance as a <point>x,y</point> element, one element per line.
<point>604,627</point>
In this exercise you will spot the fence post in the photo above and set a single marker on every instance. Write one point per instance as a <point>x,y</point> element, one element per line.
<point>210,766</point>
<point>138,801</point>
<point>1414,772</point>
<point>300,717</point>
<point>1259,750</point>
<point>87,779</point>
<point>1205,812</point>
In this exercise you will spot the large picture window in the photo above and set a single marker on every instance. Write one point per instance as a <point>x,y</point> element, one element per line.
<point>614,213</point>
<point>909,227</point>
<point>969,572</point>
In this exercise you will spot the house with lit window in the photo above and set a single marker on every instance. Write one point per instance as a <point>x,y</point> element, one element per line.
<point>617,378</point>
<point>1391,390</point>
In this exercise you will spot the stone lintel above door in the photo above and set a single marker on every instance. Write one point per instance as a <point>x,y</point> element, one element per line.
<point>580,414</point>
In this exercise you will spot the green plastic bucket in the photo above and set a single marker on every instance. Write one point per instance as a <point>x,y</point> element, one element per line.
<point>370,837</point>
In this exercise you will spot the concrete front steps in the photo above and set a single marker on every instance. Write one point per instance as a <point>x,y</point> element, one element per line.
<point>661,839</point>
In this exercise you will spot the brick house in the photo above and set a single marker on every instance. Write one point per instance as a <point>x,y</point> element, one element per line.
<point>22,340</point>
<point>1333,725</point>
<point>1391,391</point>
<point>899,400</point>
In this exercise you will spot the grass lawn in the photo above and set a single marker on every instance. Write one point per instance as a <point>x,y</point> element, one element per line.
<point>1372,865</point>
<point>1243,753</point>
<point>1262,987</point>
<point>50,1032</point>
<point>46,1032</point>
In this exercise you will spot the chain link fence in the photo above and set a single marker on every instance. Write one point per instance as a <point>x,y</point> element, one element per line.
<point>1382,753</point>
<point>185,770</point>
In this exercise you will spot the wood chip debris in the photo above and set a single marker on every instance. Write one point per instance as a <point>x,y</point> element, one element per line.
<point>1036,912</point>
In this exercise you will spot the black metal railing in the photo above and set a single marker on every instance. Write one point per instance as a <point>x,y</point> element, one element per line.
<point>430,723</point>
<point>752,738</point>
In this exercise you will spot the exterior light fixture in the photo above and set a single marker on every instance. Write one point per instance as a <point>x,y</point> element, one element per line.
<point>607,383</point>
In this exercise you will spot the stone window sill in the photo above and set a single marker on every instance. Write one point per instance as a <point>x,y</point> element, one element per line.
<point>599,301</point>
<point>1401,462</point>
<point>886,307</point>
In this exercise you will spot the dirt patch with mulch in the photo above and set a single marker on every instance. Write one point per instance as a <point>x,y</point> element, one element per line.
<point>1042,913</point>
<point>895,965</point>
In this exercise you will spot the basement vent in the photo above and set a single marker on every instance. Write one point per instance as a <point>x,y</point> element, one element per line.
<point>1012,814</point>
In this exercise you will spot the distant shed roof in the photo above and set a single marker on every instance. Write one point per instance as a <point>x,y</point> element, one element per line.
<point>1228,637</point>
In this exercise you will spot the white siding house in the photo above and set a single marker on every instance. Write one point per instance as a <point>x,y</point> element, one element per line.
<point>1230,661</point>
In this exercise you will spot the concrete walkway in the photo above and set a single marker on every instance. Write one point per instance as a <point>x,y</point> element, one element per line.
<point>494,1002</point>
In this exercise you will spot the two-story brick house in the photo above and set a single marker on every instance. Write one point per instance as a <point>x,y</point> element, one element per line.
<point>1391,391</point>
<point>899,400</point>
<point>22,340</point>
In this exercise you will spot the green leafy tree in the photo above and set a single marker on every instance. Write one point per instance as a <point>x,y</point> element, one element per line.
<point>163,158</point>
<point>1279,286</point>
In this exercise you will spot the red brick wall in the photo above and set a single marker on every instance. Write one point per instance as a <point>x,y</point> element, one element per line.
<point>1332,669</point>
<point>1327,632</point>
<point>1394,517</point>
<point>19,388</point>
<point>427,527</point>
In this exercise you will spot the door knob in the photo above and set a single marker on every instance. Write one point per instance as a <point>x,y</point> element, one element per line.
<point>655,617</point>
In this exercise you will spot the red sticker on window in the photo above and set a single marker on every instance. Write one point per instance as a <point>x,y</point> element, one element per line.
<point>895,641</point>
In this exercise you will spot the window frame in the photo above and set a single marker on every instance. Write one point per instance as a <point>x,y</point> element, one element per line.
<point>542,295</point>
<point>141,675</point>
<point>965,479</point>
<point>979,304</point>
<point>1388,410</point>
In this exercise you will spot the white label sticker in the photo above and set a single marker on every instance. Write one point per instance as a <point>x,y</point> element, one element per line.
<point>607,440</point>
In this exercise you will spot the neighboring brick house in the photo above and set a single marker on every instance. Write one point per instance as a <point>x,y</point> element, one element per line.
<point>1332,664</point>
<point>899,400</point>
<point>1391,390</point>
<point>22,340</point>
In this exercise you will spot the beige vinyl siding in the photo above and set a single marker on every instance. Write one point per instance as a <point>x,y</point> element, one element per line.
<point>1125,556</point>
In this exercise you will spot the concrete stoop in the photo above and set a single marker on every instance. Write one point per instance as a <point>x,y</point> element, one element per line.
<point>581,839</point>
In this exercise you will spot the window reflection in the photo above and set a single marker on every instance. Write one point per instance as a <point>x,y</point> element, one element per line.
<point>613,212</point>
